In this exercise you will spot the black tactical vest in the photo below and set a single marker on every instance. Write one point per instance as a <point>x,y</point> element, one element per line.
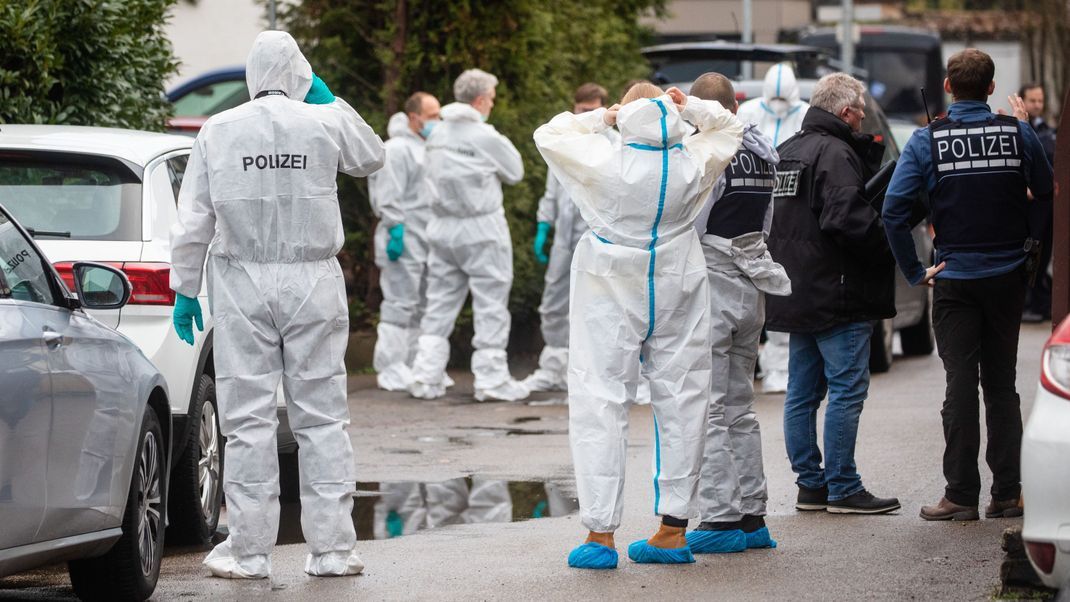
<point>748,191</point>
<point>979,202</point>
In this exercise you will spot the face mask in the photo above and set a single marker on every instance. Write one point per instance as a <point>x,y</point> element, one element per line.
<point>483,117</point>
<point>425,132</point>
<point>779,107</point>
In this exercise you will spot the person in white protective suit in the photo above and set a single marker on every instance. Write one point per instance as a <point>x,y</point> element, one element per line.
<point>400,199</point>
<point>260,187</point>
<point>778,114</point>
<point>557,212</point>
<point>471,251</point>
<point>734,225</point>
<point>640,302</point>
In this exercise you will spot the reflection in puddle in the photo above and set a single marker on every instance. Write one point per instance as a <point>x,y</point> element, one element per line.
<point>391,509</point>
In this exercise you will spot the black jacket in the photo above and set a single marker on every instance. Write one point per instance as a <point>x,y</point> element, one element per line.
<point>830,240</point>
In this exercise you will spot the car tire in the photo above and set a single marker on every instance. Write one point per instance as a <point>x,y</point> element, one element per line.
<point>130,569</point>
<point>880,346</point>
<point>197,477</point>
<point>919,339</point>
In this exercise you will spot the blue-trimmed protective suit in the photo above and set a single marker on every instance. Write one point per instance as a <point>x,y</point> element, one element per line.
<point>640,295</point>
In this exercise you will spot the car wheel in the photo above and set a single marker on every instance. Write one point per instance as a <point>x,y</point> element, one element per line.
<point>129,570</point>
<point>880,346</point>
<point>197,478</point>
<point>918,339</point>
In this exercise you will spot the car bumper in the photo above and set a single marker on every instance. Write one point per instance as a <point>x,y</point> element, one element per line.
<point>1046,481</point>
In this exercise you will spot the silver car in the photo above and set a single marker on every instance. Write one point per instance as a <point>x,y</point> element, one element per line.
<point>85,428</point>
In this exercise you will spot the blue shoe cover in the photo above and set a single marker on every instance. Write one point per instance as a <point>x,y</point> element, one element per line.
<point>760,539</point>
<point>642,552</point>
<point>717,542</point>
<point>592,555</point>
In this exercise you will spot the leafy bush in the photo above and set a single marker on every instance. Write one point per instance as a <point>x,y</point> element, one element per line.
<point>374,53</point>
<point>84,62</point>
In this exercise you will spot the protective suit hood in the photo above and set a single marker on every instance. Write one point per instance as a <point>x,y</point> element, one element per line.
<point>276,63</point>
<point>398,126</point>
<point>780,83</point>
<point>640,122</point>
<point>758,143</point>
<point>461,111</point>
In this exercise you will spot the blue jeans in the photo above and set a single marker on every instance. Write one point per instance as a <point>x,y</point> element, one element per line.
<point>836,362</point>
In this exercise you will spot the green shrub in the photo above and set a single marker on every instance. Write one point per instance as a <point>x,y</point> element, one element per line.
<point>84,62</point>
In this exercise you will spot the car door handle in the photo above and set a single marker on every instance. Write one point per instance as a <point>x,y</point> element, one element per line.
<point>52,338</point>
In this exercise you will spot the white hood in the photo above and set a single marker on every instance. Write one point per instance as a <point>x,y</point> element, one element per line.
<point>461,111</point>
<point>276,63</point>
<point>780,92</point>
<point>398,126</point>
<point>640,122</point>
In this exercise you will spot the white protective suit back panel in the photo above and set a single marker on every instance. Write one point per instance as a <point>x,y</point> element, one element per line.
<point>467,161</point>
<point>261,179</point>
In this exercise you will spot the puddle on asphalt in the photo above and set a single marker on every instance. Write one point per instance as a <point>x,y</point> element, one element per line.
<point>391,509</point>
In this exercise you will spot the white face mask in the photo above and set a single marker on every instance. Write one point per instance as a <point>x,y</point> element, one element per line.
<point>779,107</point>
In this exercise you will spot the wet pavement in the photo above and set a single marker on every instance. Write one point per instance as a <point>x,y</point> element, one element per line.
<point>403,445</point>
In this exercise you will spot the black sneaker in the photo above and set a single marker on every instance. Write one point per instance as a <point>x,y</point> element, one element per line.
<point>812,499</point>
<point>863,502</point>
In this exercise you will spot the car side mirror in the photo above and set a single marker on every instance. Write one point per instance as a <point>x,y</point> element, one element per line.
<point>100,286</point>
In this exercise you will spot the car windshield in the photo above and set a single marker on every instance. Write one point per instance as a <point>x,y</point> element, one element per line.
<point>59,194</point>
<point>896,76</point>
<point>213,98</point>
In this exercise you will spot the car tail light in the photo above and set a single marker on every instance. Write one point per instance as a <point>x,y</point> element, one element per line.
<point>150,282</point>
<point>1043,555</point>
<point>1055,363</point>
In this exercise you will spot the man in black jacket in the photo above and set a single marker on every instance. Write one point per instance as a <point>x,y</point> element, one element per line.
<point>833,246</point>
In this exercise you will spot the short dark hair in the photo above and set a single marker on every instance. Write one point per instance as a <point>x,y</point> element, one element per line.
<point>1029,86</point>
<point>590,92</point>
<point>970,72</point>
<point>415,103</point>
<point>714,86</point>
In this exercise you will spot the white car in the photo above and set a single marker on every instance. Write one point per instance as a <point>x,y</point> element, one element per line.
<point>110,195</point>
<point>1046,466</point>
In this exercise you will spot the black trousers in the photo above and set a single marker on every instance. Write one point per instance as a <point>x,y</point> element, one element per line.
<point>977,324</point>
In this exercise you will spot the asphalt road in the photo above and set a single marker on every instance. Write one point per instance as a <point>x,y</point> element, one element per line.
<point>820,556</point>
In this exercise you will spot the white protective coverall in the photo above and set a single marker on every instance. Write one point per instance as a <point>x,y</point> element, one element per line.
<point>639,291</point>
<point>471,251</point>
<point>399,195</point>
<point>741,273</point>
<point>260,187</point>
<point>779,114</point>
<point>557,208</point>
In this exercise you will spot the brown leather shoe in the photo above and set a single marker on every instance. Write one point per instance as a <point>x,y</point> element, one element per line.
<point>948,510</point>
<point>1003,509</point>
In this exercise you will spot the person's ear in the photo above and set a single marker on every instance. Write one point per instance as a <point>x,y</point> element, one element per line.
<point>947,85</point>
<point>991,87</point>
<point>735,107</point>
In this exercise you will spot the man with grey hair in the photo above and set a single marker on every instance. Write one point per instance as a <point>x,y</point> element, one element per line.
<point>470,247</point>
<point>832,244</point>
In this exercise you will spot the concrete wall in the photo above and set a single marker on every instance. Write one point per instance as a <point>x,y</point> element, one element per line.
<point>725,17</point>
<point>212,34</point>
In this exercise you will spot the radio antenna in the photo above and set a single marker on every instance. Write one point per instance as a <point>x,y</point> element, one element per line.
<point>926,103</point>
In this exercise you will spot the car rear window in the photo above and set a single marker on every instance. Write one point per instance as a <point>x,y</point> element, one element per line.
<point>213,98</point>
<point>91,198</point>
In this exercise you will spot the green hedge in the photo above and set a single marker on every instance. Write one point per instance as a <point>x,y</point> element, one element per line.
<point>84,62</point>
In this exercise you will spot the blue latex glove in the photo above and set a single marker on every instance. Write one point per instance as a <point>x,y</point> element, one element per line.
<point>319,93</point>
<point>396,245</point>
<point>186,312</point>
<point>541,233</point>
